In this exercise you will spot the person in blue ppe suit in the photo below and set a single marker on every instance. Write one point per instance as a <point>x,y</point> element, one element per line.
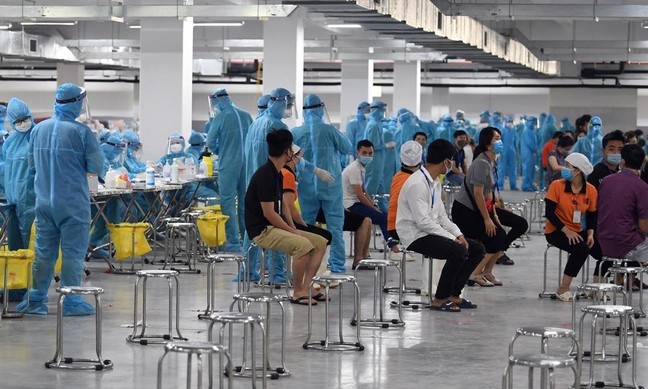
<point>228,132</point>
<point>530,151</point>
<point>176,149</point>
<point>3,136</point>
<point>3,115</point>
<point>544,135</point>
<point>321,144</point>
<point>374,184</point>
<point>132,163</point>
<point>591,145</point>
<point>496,121</point>
<point>391,158</point>
<point>103,136</point>
<point>506,163</point>
<point>355,128</point>
<point>63,152</point>
<point>114,211</point>
<point>19,177</point>
<point>429,128</point>
<point>262,104</point>
<point>446,129</point>
<point>197,142</point>
<point>565,125</point>
<point>542,119</point>
<point>484,121</point>
<point>408,127</point>
<point>519,129</point>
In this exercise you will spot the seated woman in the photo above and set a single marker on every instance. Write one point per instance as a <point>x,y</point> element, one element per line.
<point>570,208</point>
<point>476,214</point>
<point>557,157</point>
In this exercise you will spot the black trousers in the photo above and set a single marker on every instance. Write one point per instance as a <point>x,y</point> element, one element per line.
<point>460,262</point>
<point>578,252</point>
<point>316,230</point>
<point>517,223</point>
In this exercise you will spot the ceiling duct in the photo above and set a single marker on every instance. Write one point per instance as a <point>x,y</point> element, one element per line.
<point>22,45</point>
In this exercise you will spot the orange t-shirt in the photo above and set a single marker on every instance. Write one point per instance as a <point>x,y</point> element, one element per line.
<point>546,149</point>
<point>569,202</point>
<point>289,181</point>
<point>397,183</point>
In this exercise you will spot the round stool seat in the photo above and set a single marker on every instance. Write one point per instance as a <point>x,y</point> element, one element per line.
<point>174,219</point>
<point>223,258</point>
<point>87,290</point>
<point>600,287</point>
<point>612,259</point>
<point>205,199</point>
<point>611,310</point>
<point>195,347</point>
<point>628,270</point>
<point>256,297</point>
<point>545,332</point>
<point>236,317</point>
<point>157,273</point>
<point>377,262</point>
<point>181,225</point>
<point>542,360</point>
<point>328,278</point>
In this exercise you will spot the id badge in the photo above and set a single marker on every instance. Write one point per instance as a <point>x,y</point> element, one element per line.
<point>577,217</point>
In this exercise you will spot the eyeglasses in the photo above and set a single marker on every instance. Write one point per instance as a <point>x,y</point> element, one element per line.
<point>22,120</point>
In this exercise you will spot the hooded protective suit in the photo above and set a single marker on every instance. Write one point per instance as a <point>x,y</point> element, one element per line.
<point>197,141</point>
<point>530,151</point>
<point>591,145</point>
<point>321,144</point>
<point>446,129</point>
<point>506,163</point>
<point>228,132</point>
<point>429,128</point>
<point>565,125</point>
<point>19,177</point>
<point>355,128</point>
<point>544,135</point>
<point>63,152</point>
<point>374,171</point>
<point>262,104</point>
<point>131,162</point>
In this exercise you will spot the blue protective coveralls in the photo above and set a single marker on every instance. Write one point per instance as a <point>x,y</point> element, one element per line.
<point>591,145</point>
<point>62,152</point>
<point>355,128</point>
<point>530,151</point>
<point>519,129</point>
<point>262,104</point>
<point>374,184</point>
<point>197,141</point>
<point>408,127</point>
<point>544,135</point>
<point>228,132</point>
<point>429,128</point>
<point>446,129</point>
<point>176,138</point>
<point>507,161</point>
<point>19,177</point>
<point>391,156</point>
<point>321,143</point>
<point>103,136</point>
<point>131,162</point>
<point>565,125</point>
<point>484,121</point>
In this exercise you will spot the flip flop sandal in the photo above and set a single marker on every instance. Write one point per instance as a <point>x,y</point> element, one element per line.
<point>320,297</point>
<point>303,300</point>
<point>466,304</point>
<point>448,306</point>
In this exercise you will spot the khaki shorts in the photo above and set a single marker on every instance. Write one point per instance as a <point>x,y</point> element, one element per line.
<point>295,245</point>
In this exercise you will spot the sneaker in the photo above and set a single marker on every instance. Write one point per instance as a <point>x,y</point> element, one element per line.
<point>395,256</point>
<point>409,257</point>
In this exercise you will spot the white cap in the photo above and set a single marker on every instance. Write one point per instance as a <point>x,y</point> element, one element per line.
<point>296,149</point>
<point>411,153</point>
<point>580,162</point>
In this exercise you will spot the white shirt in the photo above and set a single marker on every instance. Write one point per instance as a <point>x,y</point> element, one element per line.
<point>417,216</point>
<point>352,175</point>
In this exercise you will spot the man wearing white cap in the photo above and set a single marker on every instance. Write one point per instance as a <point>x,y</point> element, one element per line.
<point>570,208</point>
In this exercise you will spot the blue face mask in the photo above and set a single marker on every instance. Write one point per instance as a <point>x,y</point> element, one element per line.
<point>566,173</point>
<point>498,147</point>
<point>365,160</point>
<point>614,159</point>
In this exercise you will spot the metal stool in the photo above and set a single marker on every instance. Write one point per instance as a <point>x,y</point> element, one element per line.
<point>212,260</point>
<point>199,349</point>
<point>248,321</point>
<point>267,299</point>
<point>626,318</point>
<point>246,276</point>
<point>627,273</point>
<point>190,246</point>
<point>415,305</point>
<point>160,225</point>
<point>352,244</point>
<point>545,362</point>
<point>141,338</point>
<point>206,200</point>
<point>61,362</point>
<point>326,344</point>
<point>600,294</point>
<point>380,269</point>
<point>191,216</point>
<point>402,287</point>
<point>616,262</point>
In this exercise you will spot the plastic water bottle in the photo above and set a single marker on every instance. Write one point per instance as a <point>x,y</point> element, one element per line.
<point>202,168</point>
<point>150,175</point>
<point>191,167</point>
<point>175,172</point>
<point>109,179</point>
<point>166,172</point>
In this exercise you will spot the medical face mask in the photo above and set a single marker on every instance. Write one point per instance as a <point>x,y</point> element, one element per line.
<point>461,143</point>
<point>365,160</point>
<point>498,147</point>
<point>566,173</point>
<point>614,159</point>
<point>287,113</point>
<point>509,125</point>
<point>176,148</point>
<point>23,126</point>
<point>448,168</point>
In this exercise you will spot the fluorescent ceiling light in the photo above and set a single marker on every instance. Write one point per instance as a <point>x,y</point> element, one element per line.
<point>5,26</point>
<point>343,26</point>
<point>644,24</point>
<point>48,23</point>
<point>219,24</point>
<point>135,26</point>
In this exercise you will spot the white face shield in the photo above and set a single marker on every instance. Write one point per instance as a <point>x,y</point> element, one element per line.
<point>291,110</point>
<point>325,117</point>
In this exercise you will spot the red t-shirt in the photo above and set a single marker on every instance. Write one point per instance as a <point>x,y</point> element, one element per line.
<point>548,147</point>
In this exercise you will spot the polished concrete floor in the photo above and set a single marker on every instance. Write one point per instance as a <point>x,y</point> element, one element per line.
<point>435,349</point>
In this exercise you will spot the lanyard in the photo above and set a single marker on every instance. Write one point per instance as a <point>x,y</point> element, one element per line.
<point>429,184</point>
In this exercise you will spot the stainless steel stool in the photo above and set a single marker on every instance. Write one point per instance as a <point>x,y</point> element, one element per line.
<point>212,260</point>
<point>600,294</point>
<point>199,349</point>
<point>626,318</point>
<point>160,225</point>
<point>402,285</point>
<point>415,305</point>
<point>174,233</point>
<point>141,338</point>
<point>545,362</point>
<point>191,216</point>
<point>61,362</point>
<point>627,273</point>
<point>544,294</point>
<point>380,269</point>
<point>267,299</point>
<point>246,276</point>
<point>248,321</point>
<point>326,344</point>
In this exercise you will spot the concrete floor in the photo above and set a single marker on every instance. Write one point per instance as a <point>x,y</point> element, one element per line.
<point>435,349</point>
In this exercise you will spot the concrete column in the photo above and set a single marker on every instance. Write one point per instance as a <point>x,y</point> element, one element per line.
<point>407,86</point>
<point>357,86</point>
<point>440,102</point>
<point>283,57</point>
<point>70,72</point>
<point>165,98</point>
<point>426,103</point>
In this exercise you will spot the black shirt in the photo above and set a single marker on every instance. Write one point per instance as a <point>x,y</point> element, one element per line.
<point>601,170</point>
<point>265,186</point>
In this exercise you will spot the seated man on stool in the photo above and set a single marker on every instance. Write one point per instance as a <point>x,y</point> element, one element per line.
<point>623,211</point>
<point>268,222</point>
<point>424,227</point>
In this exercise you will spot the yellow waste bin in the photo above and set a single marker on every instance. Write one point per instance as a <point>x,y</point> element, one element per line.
<point>212,229</point>
<point>18,263</point>
<point>129,239</point>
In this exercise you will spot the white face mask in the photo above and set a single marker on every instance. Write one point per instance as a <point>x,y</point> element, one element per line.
<point>287,113</point>
<point>176,148</point>
<point>23,126</point>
